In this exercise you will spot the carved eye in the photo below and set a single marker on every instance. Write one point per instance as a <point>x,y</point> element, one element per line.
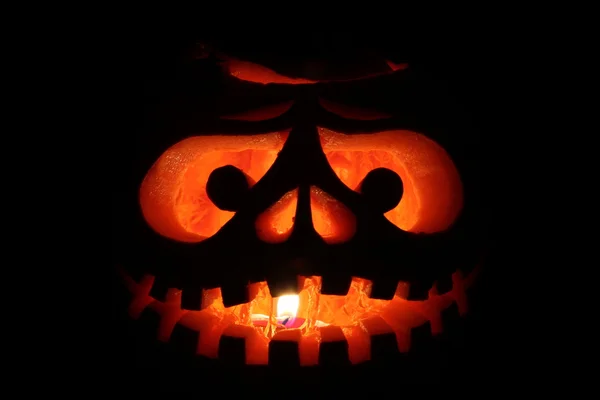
<point>173,195</point>
<point>432,190</point>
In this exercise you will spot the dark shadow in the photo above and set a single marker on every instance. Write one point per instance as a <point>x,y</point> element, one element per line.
<point>181,95</point>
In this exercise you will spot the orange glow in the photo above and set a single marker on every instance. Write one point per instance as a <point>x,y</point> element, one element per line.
<point>354,317</point>
<point>331,219</point>
<point>252,72</point>
<point>276,223</point>
<point>397,67</point>
<point>288,305</point>
<point>433,194</point>
<point>173,194</point>
<point>174,201</point>
<point>249,71</point>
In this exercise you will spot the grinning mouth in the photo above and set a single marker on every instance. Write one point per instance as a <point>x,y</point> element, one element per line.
<point>263,324</point>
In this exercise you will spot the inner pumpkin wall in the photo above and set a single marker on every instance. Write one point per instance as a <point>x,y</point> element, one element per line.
<point>354,317</point>
<point>433,193</point>
<point>173,194</point>
<point>175,203</point>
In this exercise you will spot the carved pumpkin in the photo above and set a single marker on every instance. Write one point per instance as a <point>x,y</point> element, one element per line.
<point>304,232</point>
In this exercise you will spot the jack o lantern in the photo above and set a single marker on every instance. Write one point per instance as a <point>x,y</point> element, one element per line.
<point>303,232</point>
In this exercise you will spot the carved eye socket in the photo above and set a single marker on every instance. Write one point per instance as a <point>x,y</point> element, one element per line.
<point>432,190</point>
<point>173,195</point>
<point>382,188</point>
<point>227,187</point>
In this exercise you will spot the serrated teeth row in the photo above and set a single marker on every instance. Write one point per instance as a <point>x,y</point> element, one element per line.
<point>233,294</point>
<point>326,328</point>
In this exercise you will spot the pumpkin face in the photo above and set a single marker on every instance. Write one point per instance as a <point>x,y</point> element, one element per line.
<point>306,232</point>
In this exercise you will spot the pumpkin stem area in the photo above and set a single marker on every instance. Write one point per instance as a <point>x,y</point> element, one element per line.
<point>175,203</point>
<point>317,318</point>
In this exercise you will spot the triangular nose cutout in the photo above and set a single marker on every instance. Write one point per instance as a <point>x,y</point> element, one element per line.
<point>332,220</point>
<point>275,224</point>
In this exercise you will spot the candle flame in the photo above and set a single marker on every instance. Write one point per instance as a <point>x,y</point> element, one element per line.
<point>288,305</point>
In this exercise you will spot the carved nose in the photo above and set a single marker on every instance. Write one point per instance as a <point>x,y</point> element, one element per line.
<point>303,226</point>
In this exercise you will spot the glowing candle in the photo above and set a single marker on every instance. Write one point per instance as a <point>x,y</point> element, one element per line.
<point>287,308</point>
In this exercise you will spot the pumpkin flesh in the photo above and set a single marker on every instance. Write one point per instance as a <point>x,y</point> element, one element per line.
<point>174,201</point>
<point>354,317</point>
<point>175,204</point>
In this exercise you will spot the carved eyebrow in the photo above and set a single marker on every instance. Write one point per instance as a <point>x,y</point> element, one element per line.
<point>252,72</point>
<point>337,117</point>
<point>351,112</point>
<point>396,66</point>
<point>340,120</point>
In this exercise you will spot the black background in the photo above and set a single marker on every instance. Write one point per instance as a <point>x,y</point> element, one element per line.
<point>475,70</point>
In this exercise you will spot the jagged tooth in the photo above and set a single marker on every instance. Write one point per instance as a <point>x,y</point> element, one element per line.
<point>402,290</point>
<point>403,340</point>
<point>134,272</point>
<point>432,291</point>
<point>128,281</point>
<point>471,276</point>
<point>174,297</point>
<point>232,350</point>
<point>141,296</point>
<point>335,284</point>
<point>234,293</point>
<point>435,317</point>
<point>457,277</point>
<point>254,289</point>
<point>170,314</point>
<point>208,338</point>
<point>302,280</point>
<point>310,302</point>
<point>210,296</point>
<point>310,282</point>
<point>145,285</point>
<point>384,289</point>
